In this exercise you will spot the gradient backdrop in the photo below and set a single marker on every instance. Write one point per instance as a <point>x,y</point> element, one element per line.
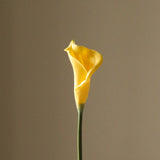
<point>38,117</point>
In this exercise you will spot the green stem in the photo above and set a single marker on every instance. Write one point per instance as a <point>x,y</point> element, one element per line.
<point>79,132</point>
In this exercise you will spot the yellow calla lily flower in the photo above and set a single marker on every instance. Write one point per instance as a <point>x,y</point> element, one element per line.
<point>84,62</point>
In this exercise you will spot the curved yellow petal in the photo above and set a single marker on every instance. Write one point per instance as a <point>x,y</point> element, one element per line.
<point>81,92</point>
<point>97,60</point>
<point>84,62</point>
<point>79,71</point>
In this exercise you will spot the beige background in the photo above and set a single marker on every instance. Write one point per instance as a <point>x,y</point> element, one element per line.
<point>38,117</point>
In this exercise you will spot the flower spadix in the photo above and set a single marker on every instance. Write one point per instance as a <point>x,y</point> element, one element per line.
<point>84,62</point>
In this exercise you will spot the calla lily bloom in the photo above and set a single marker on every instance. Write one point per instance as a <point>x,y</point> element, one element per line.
<point>84,62</point>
